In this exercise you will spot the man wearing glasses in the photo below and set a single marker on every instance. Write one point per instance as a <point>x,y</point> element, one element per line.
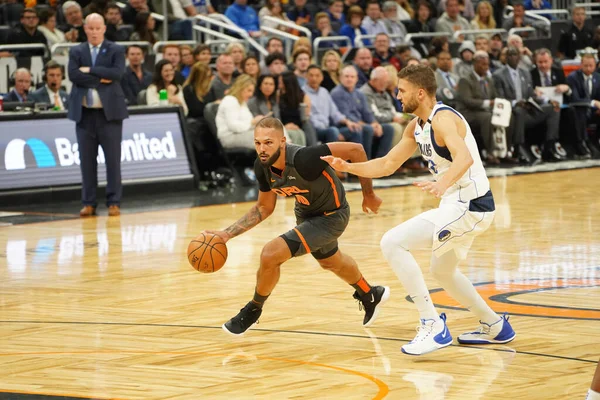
<point>28,34</point>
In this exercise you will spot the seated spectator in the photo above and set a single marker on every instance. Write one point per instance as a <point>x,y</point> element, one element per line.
<point>180,28</point>
<point>143,28</point>
<point>363,62</point>
<point>294,108</point>
<point>445,78</point>
<point>204,7</point>
<point>451,20</point>
<point>301,60</point>
<point>545,73</point>
<point>404,11</point>
<point>476,95</point>
<point>187,60</point>
<point>235,123</point>
<point>330,124</point>
<point>382,54</point>
<point>323,29</point>
<point>464,65</point>
<point>273,9</point>
<point>585,84</point>
<point>244,16</point>
<point>302,43</point>
<point>274,45</point>
<point>515,84</point>
<point>222,80</point>
<point>465,7</point>
<point>438,44</point>
<point>496,46</point>
<point>172,53</point>
<point>20,92</point>
<point>516,41</point>
<point>237,51</point>
<point>136,78</point>
<point>331,65</point>
<point>250,67</point>
<point>382,103</point>
<point>132,8</point>
<point>577,37</point>
<point>112,16</point>
<point>276,64</point>
<point>391,25</point>
<point>202,54</point>
<point>335,11</point>
<point>73,29</point>
<point>353,28</point>
<point>51,92</point>
<point>195,89</point>
<point>264,102</point>
<point>484,18</point>
<point>520,20</point>
<point>353,104</point>
<point>48,28</point>
<point>373,23</point>
<point>537,5</point>
<point>300,13</point>
<point>27,33</point>
<point>163,78</point>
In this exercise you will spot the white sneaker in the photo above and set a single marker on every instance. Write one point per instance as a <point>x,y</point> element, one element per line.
<point>431,335</point>
<point>498,332</point>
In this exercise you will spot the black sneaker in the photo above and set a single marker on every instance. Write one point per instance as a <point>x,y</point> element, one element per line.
<point>371,301</point>
<point>244,320</point>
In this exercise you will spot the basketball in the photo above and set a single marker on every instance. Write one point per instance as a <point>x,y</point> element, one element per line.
<point>207,253</point>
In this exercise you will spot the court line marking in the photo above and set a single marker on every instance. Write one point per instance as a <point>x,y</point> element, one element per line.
<point>383,388</point>
<point>75,396</point>
<point>349,335</point>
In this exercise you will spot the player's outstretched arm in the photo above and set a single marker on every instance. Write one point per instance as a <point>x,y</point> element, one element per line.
<point>447,135</point>
<point>356,154</point>
<point>258,213</point>
<point>383,166</point>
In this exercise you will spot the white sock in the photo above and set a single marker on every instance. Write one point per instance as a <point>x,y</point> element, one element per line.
<point>396,245</point>
<point>592,395</point>
<point>457,285</point>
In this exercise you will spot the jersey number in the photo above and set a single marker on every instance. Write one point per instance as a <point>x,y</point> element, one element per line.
<point>432,167</point>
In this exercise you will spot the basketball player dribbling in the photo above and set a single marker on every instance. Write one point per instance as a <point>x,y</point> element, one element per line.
<point>322,215</point>
<point>465,211</point>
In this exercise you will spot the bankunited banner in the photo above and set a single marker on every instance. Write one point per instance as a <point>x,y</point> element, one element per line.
<point>44,152</point>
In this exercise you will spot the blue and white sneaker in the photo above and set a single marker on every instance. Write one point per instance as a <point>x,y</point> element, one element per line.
<point>431,335</point>
<point>498,332</point>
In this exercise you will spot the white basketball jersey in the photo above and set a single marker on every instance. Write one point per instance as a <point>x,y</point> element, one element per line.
<point>474,183</point>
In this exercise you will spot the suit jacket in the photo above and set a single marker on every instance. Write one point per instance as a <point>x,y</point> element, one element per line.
<point>557,76</point>
<point>442,82</point>
<point>12,96</point>
<point>576,82</point>
<point>110,64</point>
<point>505,88</point>
<point>470,95</point>
<point>41,96</point>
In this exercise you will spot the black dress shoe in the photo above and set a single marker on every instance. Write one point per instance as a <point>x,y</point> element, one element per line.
<point>582,150</point>
<point>550,154</point>
<point>525,157</point>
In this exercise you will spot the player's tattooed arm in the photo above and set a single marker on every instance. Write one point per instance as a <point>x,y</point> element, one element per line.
<point>247,222</point>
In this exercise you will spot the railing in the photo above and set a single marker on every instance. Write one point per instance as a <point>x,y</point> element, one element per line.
<point>407,38</point>
<point>550,12</point>
<point>232,27</point>
<point>457,34</point>
<point>226,38</point>
<point>587,6</point>
<point>524,29</point>
<point>25,47</point>
<point>320,40</point>
<point>158,45</point>
<point>508,11</point>
<point>284,35</point>
<point>358,40</point>
<point>290,24</point>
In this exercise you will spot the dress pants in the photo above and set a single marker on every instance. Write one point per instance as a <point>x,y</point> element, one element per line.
<point>523,119</point>
<point>92,130</point>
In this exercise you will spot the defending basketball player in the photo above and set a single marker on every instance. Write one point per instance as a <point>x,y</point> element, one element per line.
<point>465,211</point>
<point>322,215</point>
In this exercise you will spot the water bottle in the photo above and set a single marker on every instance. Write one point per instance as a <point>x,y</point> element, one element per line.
<point>163,97</point>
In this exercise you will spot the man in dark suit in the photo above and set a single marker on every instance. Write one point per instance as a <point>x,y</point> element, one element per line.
<point>97,105</point>
<point>20,92</point>
<point>515,84</point>
<point>51,93</point>
<point>476,94</point>
<point>28,33</point>
<point>585,85</point>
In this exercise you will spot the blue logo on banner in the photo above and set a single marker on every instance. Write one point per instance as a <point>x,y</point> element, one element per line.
<point>14,156</point>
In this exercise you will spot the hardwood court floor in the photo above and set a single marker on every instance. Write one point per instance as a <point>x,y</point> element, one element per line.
<point>110,308</point>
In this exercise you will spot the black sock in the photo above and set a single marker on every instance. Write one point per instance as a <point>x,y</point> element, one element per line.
<point>362,286</point>
<point>259,300</point>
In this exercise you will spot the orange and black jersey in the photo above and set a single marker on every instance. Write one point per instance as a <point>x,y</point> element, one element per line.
<point>309,179</point>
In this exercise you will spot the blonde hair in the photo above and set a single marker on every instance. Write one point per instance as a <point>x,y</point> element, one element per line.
<point>335,77</point>
<point>241,83</point>
<point>407,7</point>
<point>302,42</point>
<point>199,79</point>
<point>491,24</point>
